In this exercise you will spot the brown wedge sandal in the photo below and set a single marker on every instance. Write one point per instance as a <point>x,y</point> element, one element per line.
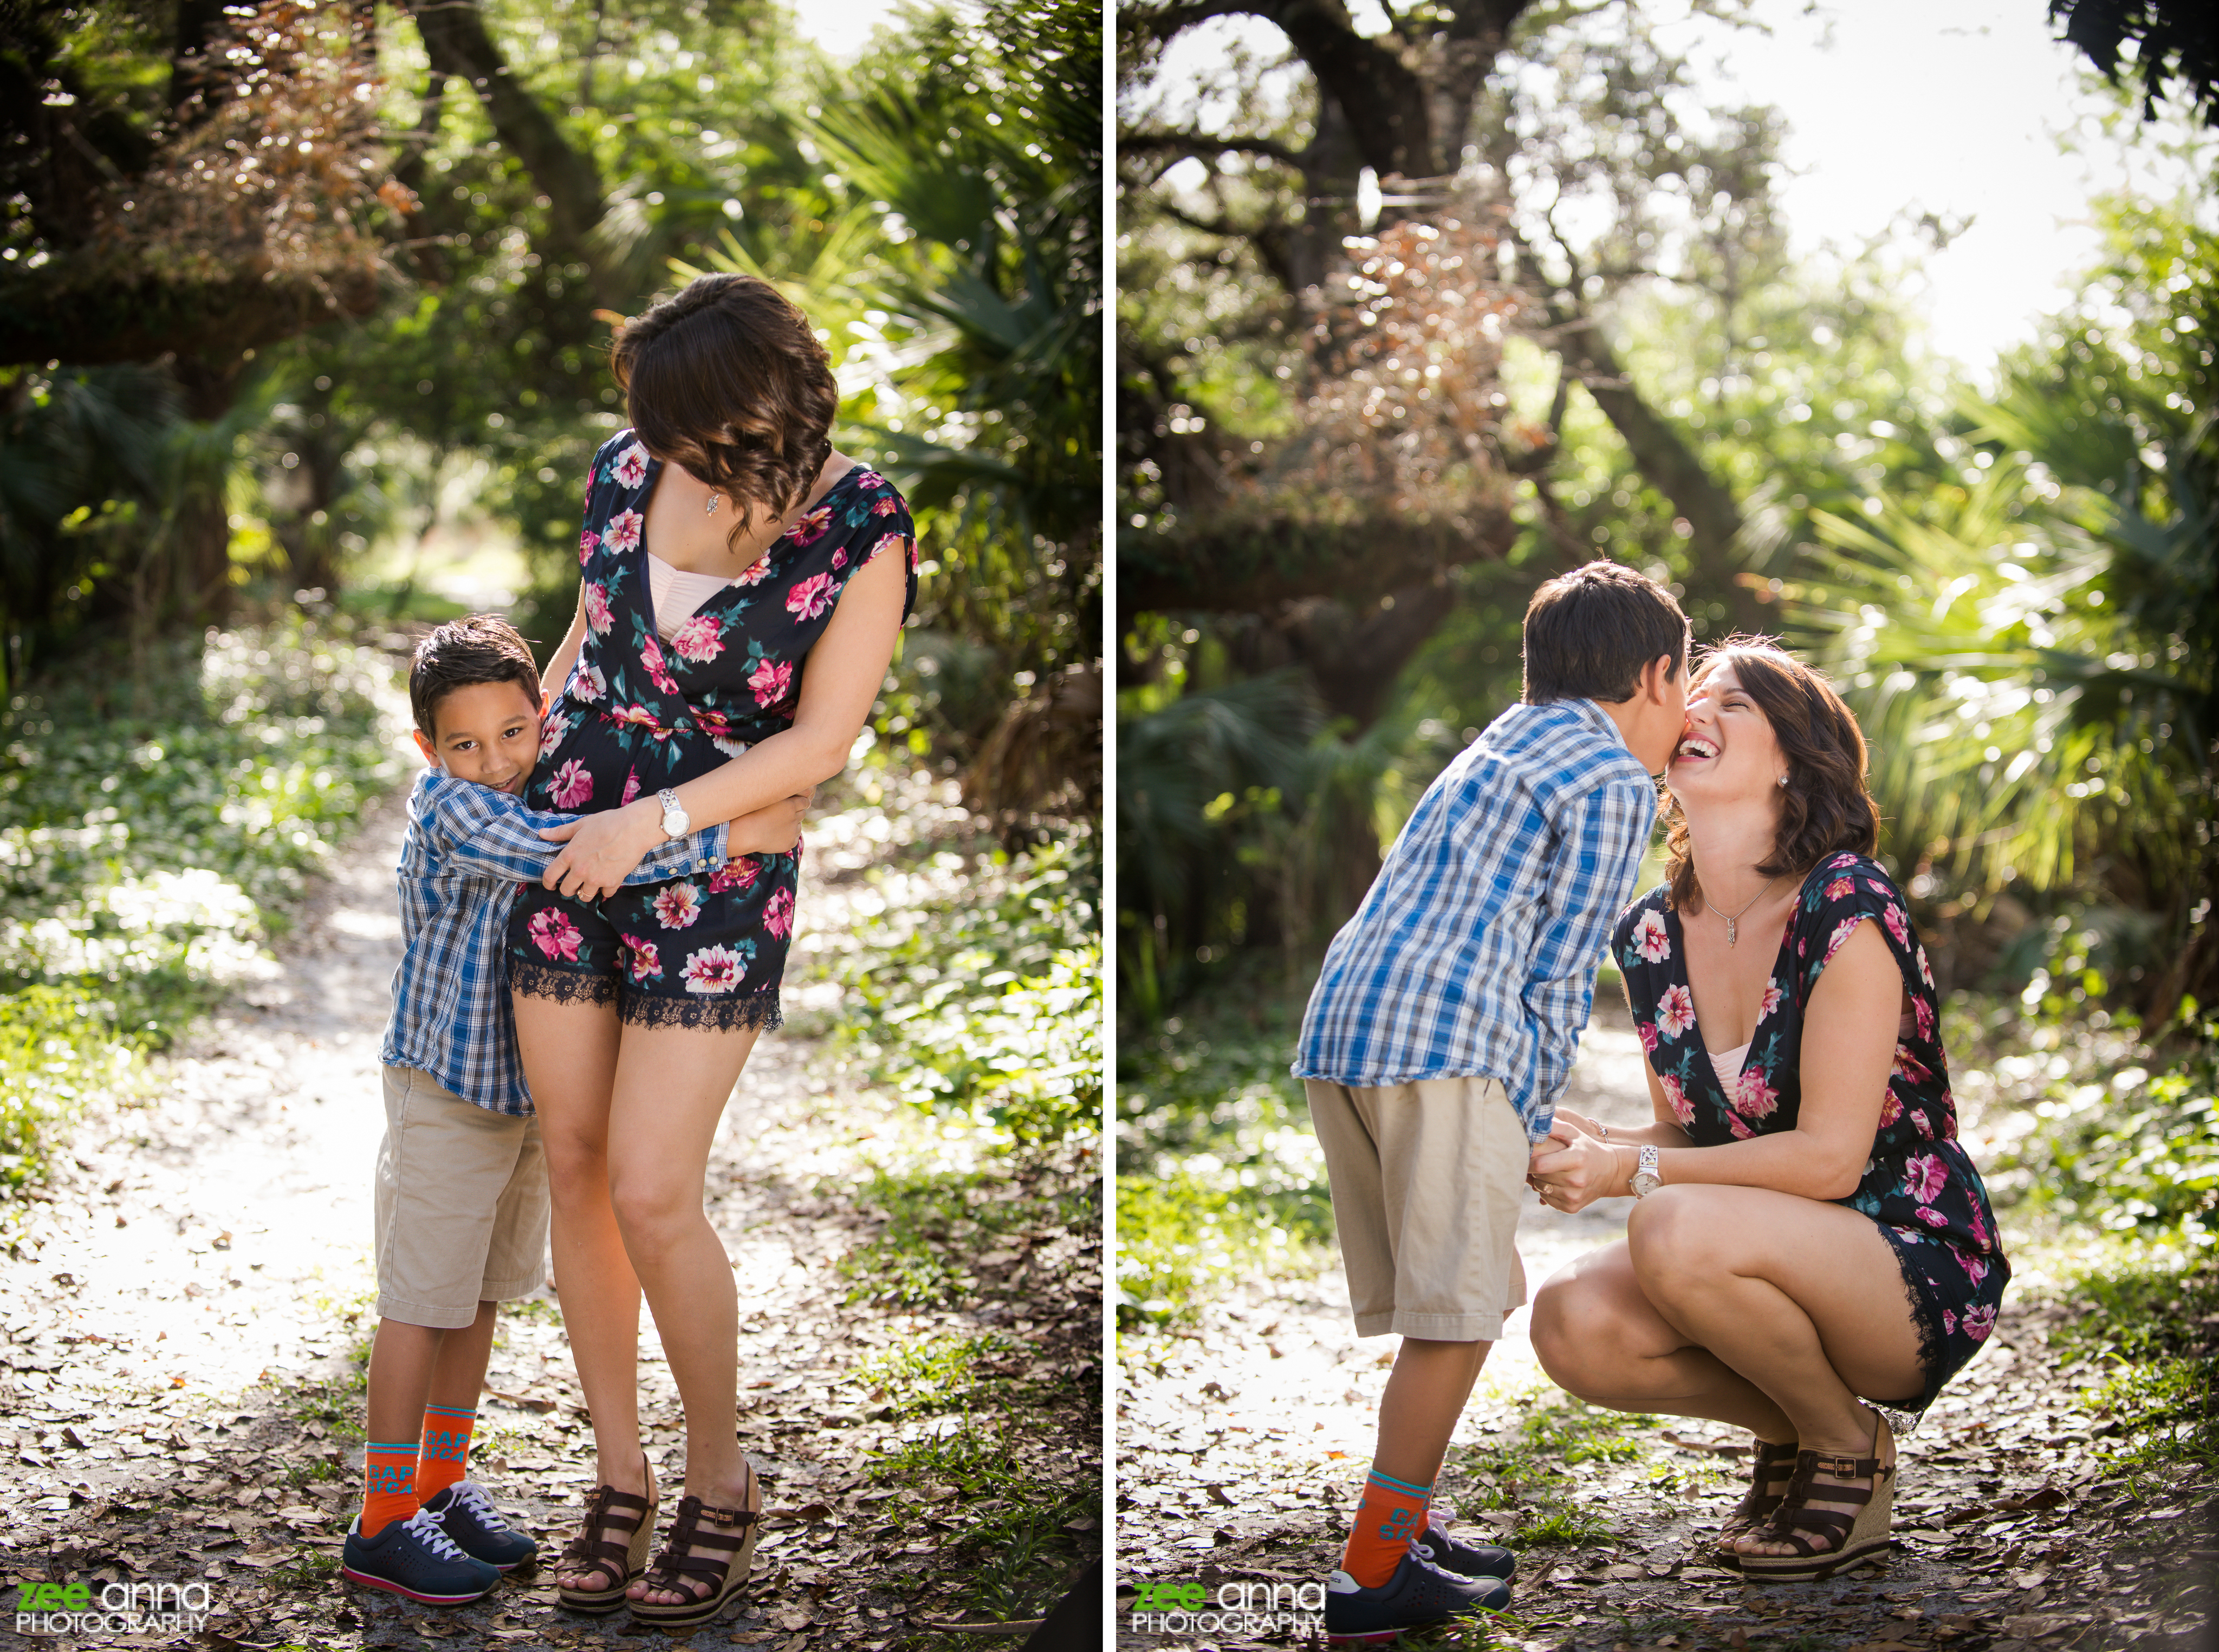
<point>632,1518</point>
<point>1769,1473</point>
<point>1826,1540</point>
<point>710,1582</point>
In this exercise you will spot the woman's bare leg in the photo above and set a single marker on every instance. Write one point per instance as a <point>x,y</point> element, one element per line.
<point>1802,1297</point>
<point>672,1084</point>
<point>569,1052</point>
<point>1600,1338</point>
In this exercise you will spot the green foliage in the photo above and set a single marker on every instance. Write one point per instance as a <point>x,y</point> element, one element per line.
<point>2152,1325</point>
<point>937,1222</point>
<point>1018,1511</point>
<point>989,1003</point>
<point>2118,1146</point>
<point>2031,648</point>
<point>1533,1471</point>
<point>938,1375</point>
<point>156,816</point>
<point>960,276</point>
<point>1219,1170</point>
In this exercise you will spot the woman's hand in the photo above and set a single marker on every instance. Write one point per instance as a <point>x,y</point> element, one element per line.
<point>601,850</point>
<point>1571,1169</point>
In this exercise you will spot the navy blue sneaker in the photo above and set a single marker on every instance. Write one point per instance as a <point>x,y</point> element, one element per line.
<point>1420,1593</point>
<point>467,1515</point>
<point>416,1558</point>
<point>1465,1559</point>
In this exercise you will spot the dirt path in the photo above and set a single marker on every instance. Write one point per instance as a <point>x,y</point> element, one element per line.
<point>187,1308</point>
<point>1241,1444</point>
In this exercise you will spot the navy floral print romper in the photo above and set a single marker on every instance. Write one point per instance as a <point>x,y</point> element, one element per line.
<point>640,713</point>
<point>1920,1185</point>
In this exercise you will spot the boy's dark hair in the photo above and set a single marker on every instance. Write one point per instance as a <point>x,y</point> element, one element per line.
<point>729,381</point>
<point>1823,808</point>
<point>1589,633</point>
<point>476,648</point>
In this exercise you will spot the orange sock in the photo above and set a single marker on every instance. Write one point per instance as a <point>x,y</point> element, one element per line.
<point>1393,1512</point>
<point>447,1453</point>
<point>389,1485</point>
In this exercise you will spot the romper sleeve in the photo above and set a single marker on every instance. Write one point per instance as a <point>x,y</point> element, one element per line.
<point>1846,891</point>
<point>887,529</point>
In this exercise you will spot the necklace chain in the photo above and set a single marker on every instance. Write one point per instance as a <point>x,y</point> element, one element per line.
<point>1733,919</point>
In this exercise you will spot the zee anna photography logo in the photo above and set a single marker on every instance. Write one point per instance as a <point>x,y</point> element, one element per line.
<point>1164,1608</point>
<point>117,1609</point>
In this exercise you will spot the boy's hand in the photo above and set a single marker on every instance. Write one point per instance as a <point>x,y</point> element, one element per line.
<point>775,829</point>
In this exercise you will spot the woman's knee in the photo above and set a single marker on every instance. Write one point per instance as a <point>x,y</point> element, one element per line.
<point>1674,1236</point>
<point>653,1213</point>
<point>1578,1338</point>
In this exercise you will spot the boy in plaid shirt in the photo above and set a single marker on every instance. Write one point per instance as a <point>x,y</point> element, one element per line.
<point>1444,1022</point>
<point>462,1183</point>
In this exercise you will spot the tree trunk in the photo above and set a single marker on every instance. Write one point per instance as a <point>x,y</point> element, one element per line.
<point>458,44</point>
<point>1713,518</point>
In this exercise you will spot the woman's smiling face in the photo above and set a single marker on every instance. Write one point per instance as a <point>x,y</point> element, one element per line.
<point>1728,750</point>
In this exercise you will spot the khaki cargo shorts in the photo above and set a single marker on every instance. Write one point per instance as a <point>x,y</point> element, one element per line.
<point>1426,1181</point>
<point>460,1204</point>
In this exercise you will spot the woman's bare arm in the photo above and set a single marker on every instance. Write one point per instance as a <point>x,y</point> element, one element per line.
<point>1849,1053</point>
<point>565,660</point>
<point>838,688</point>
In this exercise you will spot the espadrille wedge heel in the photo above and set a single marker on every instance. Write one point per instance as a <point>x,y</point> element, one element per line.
<point>1828,1540</point>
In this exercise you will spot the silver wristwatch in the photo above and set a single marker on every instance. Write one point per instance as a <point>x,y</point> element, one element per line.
<point>1646,1179</point>
<point>674,821</point>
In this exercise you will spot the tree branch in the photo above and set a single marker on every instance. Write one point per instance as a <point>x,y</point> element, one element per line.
<point>1198,144</point>
<point>456,43</point>
<point>141,322</point>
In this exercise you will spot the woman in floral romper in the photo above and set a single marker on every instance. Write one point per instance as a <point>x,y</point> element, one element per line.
<point>1817,1236</point>
<point>742,589</point>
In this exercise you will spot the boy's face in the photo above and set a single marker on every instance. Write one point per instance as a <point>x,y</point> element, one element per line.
<point>485,732</point>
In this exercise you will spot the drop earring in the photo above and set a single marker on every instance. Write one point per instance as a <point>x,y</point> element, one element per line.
<point>715,500</point>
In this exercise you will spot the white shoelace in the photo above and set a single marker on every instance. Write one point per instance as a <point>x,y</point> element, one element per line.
<point>472,1496</point>
<point>426,1525</point>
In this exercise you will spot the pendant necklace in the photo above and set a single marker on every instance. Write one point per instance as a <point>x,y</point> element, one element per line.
<point>1736,918</point>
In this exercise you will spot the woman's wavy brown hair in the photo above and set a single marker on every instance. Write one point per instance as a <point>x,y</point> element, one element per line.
<point>1823,808</point>
<point>728,380</point>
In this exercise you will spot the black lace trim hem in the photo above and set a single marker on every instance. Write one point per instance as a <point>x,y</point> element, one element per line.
<point>1903,1415</point>
<point>758,1009</point>
<point>562,985</point>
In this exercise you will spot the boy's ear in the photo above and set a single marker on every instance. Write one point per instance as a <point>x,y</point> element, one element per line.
<point>425,746</point>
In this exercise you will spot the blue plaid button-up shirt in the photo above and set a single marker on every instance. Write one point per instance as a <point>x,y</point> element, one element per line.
<point>1474,953</point>
<point>467,848</point>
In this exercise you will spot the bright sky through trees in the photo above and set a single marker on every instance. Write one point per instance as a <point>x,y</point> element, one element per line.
<point>1896,107</point>
<point>842,27</point>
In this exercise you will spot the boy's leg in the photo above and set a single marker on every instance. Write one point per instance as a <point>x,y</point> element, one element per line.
<point>402,1357</point>
<point>1425,1181</point>
<point>451,1408</point>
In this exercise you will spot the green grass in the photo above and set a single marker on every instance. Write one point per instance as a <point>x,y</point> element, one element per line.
<point>2149,1320</point>
<point>1220,1171</point>
<point>937,1376</point>
<point>158,812</point>
<point>1019,1513</point>
<point>937,1222</point>
<point>1530,1471</point>
<point>339,1406</point>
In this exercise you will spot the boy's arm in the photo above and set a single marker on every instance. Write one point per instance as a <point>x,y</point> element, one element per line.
<point>1590,877</point>
<point>490,834</point>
